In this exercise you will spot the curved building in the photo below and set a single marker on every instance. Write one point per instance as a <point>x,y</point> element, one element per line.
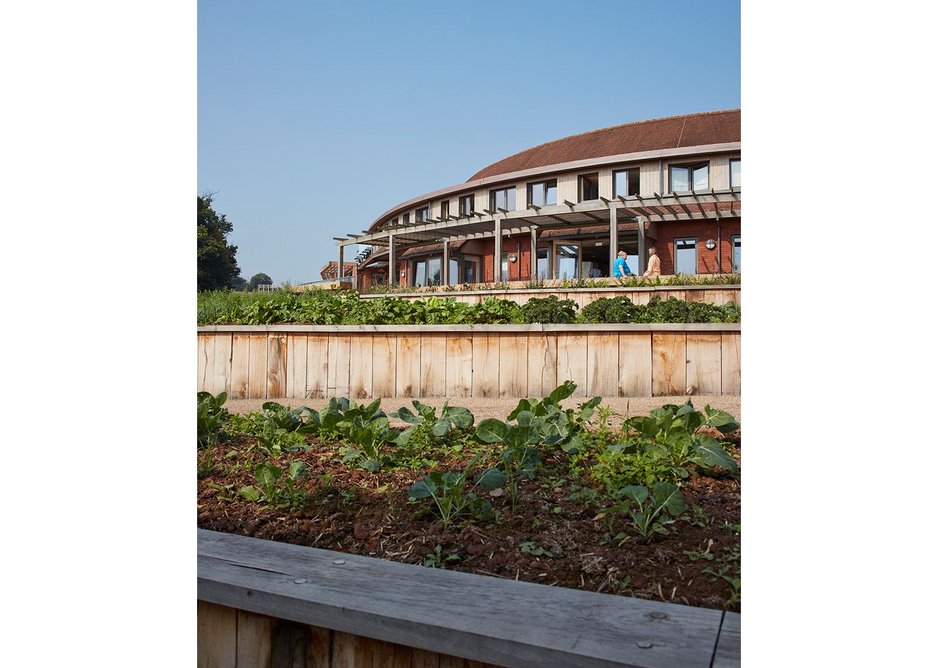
<point>563,209</point>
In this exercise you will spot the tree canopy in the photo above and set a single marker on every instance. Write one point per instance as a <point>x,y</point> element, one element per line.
<point>217,266</point>
<point>260,279</point>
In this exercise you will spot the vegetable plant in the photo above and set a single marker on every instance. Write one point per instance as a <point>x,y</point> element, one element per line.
<point>211,418</point>
<point>274,487</point>
<point>650,513</point>
<point>449,493</point>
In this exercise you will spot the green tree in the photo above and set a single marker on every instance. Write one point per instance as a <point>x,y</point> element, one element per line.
<point>217,266</point>
<point>260,279</point>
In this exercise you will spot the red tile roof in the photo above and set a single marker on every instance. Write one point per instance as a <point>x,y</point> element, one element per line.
<point>713,127</point>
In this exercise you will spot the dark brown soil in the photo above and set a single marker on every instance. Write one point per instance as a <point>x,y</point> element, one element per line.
<point>350,510</point>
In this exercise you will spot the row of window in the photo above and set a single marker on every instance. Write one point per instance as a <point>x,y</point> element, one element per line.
<point>625,182</point>
<point>685,255</point>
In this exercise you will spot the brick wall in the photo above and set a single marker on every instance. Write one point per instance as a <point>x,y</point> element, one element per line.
<point>708,261</point>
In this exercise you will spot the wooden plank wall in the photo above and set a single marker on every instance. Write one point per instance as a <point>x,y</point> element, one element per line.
<point>514,364</point>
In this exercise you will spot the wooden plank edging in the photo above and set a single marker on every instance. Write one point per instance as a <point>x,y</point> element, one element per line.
<point>534,292</point>
<point>476,617</point>
<point>493,329</point>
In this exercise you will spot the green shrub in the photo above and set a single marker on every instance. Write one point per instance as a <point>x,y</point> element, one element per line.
<point>549,311</point>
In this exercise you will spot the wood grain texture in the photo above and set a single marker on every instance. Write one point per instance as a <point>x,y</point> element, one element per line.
<point>339,352</point>
<point>703,363</point>
<point>317,366</point>
<point>669,364</point>
<point>542,364</point>
<point>217,636</point>
<point>433,363</point>
<point>572,361</point>
<point>205,354</point>
<point>458,366</point>
<point>221,376</point>
<point>731,363</point>
<point>728,654</point>
<point>512,365</point>
<point>634,364</point>
<point>296,366</point>
<point>602,359</point>
<point>408,366</point>
<point>474,617</point>
<point>384,365</point>
<point>240,354</point>
<point>360,367</point>
<point>257,366</point>
<point>485,361</point>
<point>255,636</point>
<point>276,366</point>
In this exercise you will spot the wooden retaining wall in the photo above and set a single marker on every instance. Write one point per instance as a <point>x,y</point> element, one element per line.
<point>514,361</point>
<point>711,294</point>
<point>276,605</point>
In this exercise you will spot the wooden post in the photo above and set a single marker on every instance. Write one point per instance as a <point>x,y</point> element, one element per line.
<point>533,253</point>
<point>392,265</point>
<point>497,274</point>
<point>340,270</point>
<point>642,253</point>
<point>445,261</point>
<point>613,236</point>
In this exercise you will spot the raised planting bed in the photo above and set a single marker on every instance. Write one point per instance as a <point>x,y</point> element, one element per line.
<point>364,361</point>
<point>553,496</point>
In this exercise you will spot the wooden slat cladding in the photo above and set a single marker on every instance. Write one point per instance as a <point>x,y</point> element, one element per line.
<point>519,361</point>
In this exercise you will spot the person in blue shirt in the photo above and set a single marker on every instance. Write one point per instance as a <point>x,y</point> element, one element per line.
<point>620,269</point>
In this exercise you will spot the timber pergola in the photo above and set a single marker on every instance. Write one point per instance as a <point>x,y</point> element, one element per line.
<point>694,205</point>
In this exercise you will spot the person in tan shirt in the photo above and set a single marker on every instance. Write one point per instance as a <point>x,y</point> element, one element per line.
<point>654,264</point>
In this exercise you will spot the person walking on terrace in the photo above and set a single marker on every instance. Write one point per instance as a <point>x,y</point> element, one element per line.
<point>654,264</point>
<point>619,268</point>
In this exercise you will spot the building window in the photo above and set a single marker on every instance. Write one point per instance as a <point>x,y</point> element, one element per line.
<point>502,199</point>
<point>543,263</point>
<point>685,256</point>
<point>427,271</point>
<point>406,218</point>
<point>422,215</point>
<point>735,239</point>
<point>736,173</point>
<point>625,182</point>
<point>684,178</point>
<point>444,209</point>
<point>542,193</point>
<point>467,205</point>
<point>588,187</point>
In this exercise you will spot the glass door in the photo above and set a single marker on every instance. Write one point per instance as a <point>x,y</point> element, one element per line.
<point>566,259</point>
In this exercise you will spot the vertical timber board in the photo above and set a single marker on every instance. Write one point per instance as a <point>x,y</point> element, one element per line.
<point>205,347</point>
<point>703,363</point>
<point>603,364</point>
<point>239,366</point>
<point>571,361</point>
<point>318,647</point>
<point>255,635</point>
<point>339,349</point>
<point>360,368</point>
<point>221,375</point>
<point>485,365</point>
<point>640,298</point>
<point>458,365</point>
<point>351,651</point>
<point>668,364</point>
<point>433,364</point>
<point>317,366</point>
<point>296,365</point>
<point>384,365</point>
<point>408,365</point>
<point>217,636</point>
<point>513,365</point>
<point>730,363</point>
<point>276,365</point>
<point>257,366</point>
<point>635,364</point>
<point>542,363</point>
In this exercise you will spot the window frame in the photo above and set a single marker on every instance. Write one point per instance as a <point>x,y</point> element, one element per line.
<point>580,180</point>
<point>735,239</point>
<point>506,189</point>
<point>691,167</point>
<point>444,209</point>
<point>471,199</point>
<point>696,242</point>
<point>737,185</point>
<point>629,189</point>
<point>425,218</point>
<point>545,183</point>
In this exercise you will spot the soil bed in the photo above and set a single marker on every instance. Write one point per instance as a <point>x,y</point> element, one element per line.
<point>555,534</point>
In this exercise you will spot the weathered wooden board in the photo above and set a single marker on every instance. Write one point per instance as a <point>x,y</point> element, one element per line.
<point>602,359</point>
<point>634,364</point>
<point>485,362</point>
<point>257,366</point>
<point>458,366</point>
<point>542,364</point>
<point>317,366</point>
<point>296,366</point>
<point>728,654</point>
<point>221,375</point>
<point>384,365</point>
<point>255,635</point>
<point>217,636</point>
<point>668,364</point>
<point>240,354</point>
<point>640,298</point>
<point>474,617</point>
<point>730,360</point>
<point>276,365</point>
<point>360,367</point>
<point>572,361</point>
<point>339,351</point>
<point>513,365</point>
<point>703,363</point>
<point>205,354</point>
<point>408,365</point>
<point>433,365</point>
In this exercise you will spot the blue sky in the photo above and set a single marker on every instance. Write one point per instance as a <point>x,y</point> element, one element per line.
<point>316,117</point>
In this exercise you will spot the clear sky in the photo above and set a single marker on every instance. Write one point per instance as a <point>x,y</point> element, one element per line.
<point>316,117</point>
